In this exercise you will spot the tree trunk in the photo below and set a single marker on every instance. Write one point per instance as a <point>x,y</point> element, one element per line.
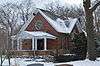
<point>90,31</point>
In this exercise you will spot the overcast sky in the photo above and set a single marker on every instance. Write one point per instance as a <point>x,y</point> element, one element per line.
<point>70,2</point>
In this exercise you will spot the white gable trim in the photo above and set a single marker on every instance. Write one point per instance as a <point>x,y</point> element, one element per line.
<point>26,24</point>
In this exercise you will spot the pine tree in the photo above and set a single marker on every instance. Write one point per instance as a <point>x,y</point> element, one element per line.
<point>80,45</point>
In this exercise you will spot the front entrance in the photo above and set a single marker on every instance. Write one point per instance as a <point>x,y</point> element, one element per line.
<point>40,44</point>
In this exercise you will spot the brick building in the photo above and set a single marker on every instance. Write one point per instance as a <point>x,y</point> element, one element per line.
<point>46,31</point>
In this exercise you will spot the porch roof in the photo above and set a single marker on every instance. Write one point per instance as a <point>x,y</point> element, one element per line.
<point>35,34</point>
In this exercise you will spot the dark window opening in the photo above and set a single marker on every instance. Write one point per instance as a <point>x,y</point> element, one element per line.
<point>40,44</point>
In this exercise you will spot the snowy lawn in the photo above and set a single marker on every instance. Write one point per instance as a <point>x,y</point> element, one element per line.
<point>23,62</point>
<point>82,63</point>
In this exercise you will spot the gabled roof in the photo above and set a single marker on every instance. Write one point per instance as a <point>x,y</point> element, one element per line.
<point>62,26</point>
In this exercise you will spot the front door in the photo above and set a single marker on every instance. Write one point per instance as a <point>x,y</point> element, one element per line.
<point>40,44</point>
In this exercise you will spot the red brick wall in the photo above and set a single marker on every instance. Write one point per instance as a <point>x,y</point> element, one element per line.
<point>27,44</point>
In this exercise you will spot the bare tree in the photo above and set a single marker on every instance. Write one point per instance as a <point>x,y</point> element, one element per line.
<point>96,18</point>
<point>5,16</point>
<point>90,28</point>
<point>65,11</point>
<point>26,8</point>
<point>11,15</point>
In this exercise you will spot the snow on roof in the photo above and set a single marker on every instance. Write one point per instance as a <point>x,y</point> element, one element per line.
<point>40,34</point>
<point>59,24</point>
<point>71,25</point>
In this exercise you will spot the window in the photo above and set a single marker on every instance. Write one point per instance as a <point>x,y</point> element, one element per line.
<point>38,24</point>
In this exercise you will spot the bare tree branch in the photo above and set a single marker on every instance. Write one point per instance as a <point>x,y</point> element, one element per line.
<point>95,6</point>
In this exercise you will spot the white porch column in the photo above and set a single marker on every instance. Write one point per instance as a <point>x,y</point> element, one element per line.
<point>45,44</point>
<point>35,43</point>
<point>17,43</point>
<point>20,44</point>
<point>33,48</point>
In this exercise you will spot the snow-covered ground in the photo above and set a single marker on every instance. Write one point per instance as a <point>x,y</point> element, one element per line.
<point>82,63</point>
<point>25,62</point>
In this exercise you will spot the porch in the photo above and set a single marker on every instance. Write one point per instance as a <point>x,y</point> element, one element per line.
<point>38,40</point>
<point>31,53</point>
